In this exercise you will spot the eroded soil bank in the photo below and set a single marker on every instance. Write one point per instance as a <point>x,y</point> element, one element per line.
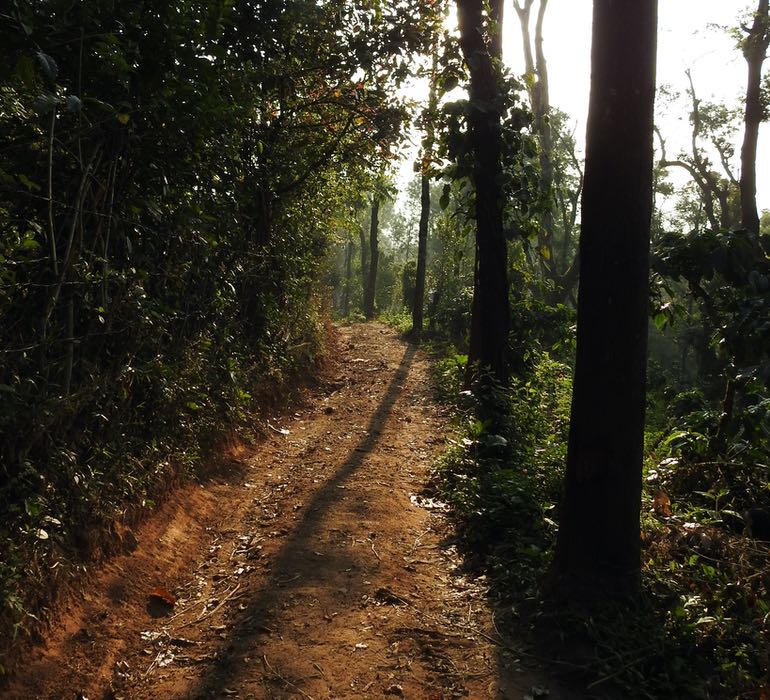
<point>313,569</point>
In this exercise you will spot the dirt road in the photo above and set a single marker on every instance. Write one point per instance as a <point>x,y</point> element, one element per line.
<point>313,570</point>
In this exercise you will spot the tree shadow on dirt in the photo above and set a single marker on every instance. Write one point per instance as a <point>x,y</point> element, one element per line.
<point>304,562</point>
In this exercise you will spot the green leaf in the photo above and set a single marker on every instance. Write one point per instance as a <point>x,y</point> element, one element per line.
<point>73,103</point>
<point>443,201</point>
<point>31,507</point>
<point>48,66</point>
<point>494,441</point>
<point>25,69</point>
<point>24,180</point>
<point>45,103</point>
<point>660,320</point>
<point>450,83</point>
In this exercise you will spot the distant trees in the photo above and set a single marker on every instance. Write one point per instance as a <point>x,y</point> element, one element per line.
<point>714,258</point>
<point>598,543</point>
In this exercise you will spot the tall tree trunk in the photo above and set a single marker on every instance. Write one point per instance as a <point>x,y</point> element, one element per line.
<point>374,254</point>
<point>598,546</point>
<point>543,126</point>
<point>754,49</point>
<point>537,69</point>
<point>364,264</point>
<point>491,314</point>
<point>418,306</point>
<point>348,278</point>
<point>422,234</point>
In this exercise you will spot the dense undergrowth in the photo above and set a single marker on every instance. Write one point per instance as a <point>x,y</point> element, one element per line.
<point>171,177</point>
<point>700,628</point>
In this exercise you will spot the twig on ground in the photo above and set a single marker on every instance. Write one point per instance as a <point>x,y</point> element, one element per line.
<point>275,673</point>
<point>203,616</point>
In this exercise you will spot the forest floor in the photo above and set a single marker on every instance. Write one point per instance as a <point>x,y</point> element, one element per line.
<point>312,567</point>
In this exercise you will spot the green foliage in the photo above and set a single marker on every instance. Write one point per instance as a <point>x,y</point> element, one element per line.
<point>728,276</point>
<point>171,177</point>
<point>402,321</point>
<point>502,473</point>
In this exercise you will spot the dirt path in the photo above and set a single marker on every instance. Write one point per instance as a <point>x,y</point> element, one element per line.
<point>313,571</point>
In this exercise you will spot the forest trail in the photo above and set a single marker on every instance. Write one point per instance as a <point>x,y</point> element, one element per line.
<point>313,569</point>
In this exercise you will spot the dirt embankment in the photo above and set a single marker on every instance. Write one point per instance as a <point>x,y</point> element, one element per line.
<point>313,570</point>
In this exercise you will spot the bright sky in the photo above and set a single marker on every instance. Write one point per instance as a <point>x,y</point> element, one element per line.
<point>686,39</point>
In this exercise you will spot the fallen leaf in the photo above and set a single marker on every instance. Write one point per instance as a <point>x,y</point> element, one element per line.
<point>662,504</point>
<point>163,595</point>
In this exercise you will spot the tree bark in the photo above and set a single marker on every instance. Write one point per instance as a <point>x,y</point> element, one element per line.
<point>491,314</point>
<point>374,252</point>
<point>537,69</point>
<point>422,254</point>
<point>754,50</point>
<point>418,308</point>
<point>598,547</point>
<point>348,278</point>
<point>364,262</point>
<point>496,16</point>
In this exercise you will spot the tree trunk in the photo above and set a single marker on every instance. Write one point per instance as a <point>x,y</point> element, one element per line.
<point>364,264</point>
<point>348,278</point>
<point>598,545</point>
<point>418,307</point>
<point>374,252</point>
<point>491,315</point>
<point>536,67</point>
<point>754,49</point>
<point>422,254</point>
<point>543,127</point>
<point>496,16</point>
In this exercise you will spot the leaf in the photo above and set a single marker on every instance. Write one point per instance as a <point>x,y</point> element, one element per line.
<point>123,118</point>
<point>662,504</point>
<point>48,65</point>
<point>45,103</point>
<point>162,595</point>
<point>24,180</point>
<point>31,507</point>
<point>73,103</point>
<point>443,202</point>
<point>450,83</point>
<point>494,441</point>
<point>25,69</point>
<point>41,534</point>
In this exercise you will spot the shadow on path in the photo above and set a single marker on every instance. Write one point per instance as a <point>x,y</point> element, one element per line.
<point>260,612</point>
